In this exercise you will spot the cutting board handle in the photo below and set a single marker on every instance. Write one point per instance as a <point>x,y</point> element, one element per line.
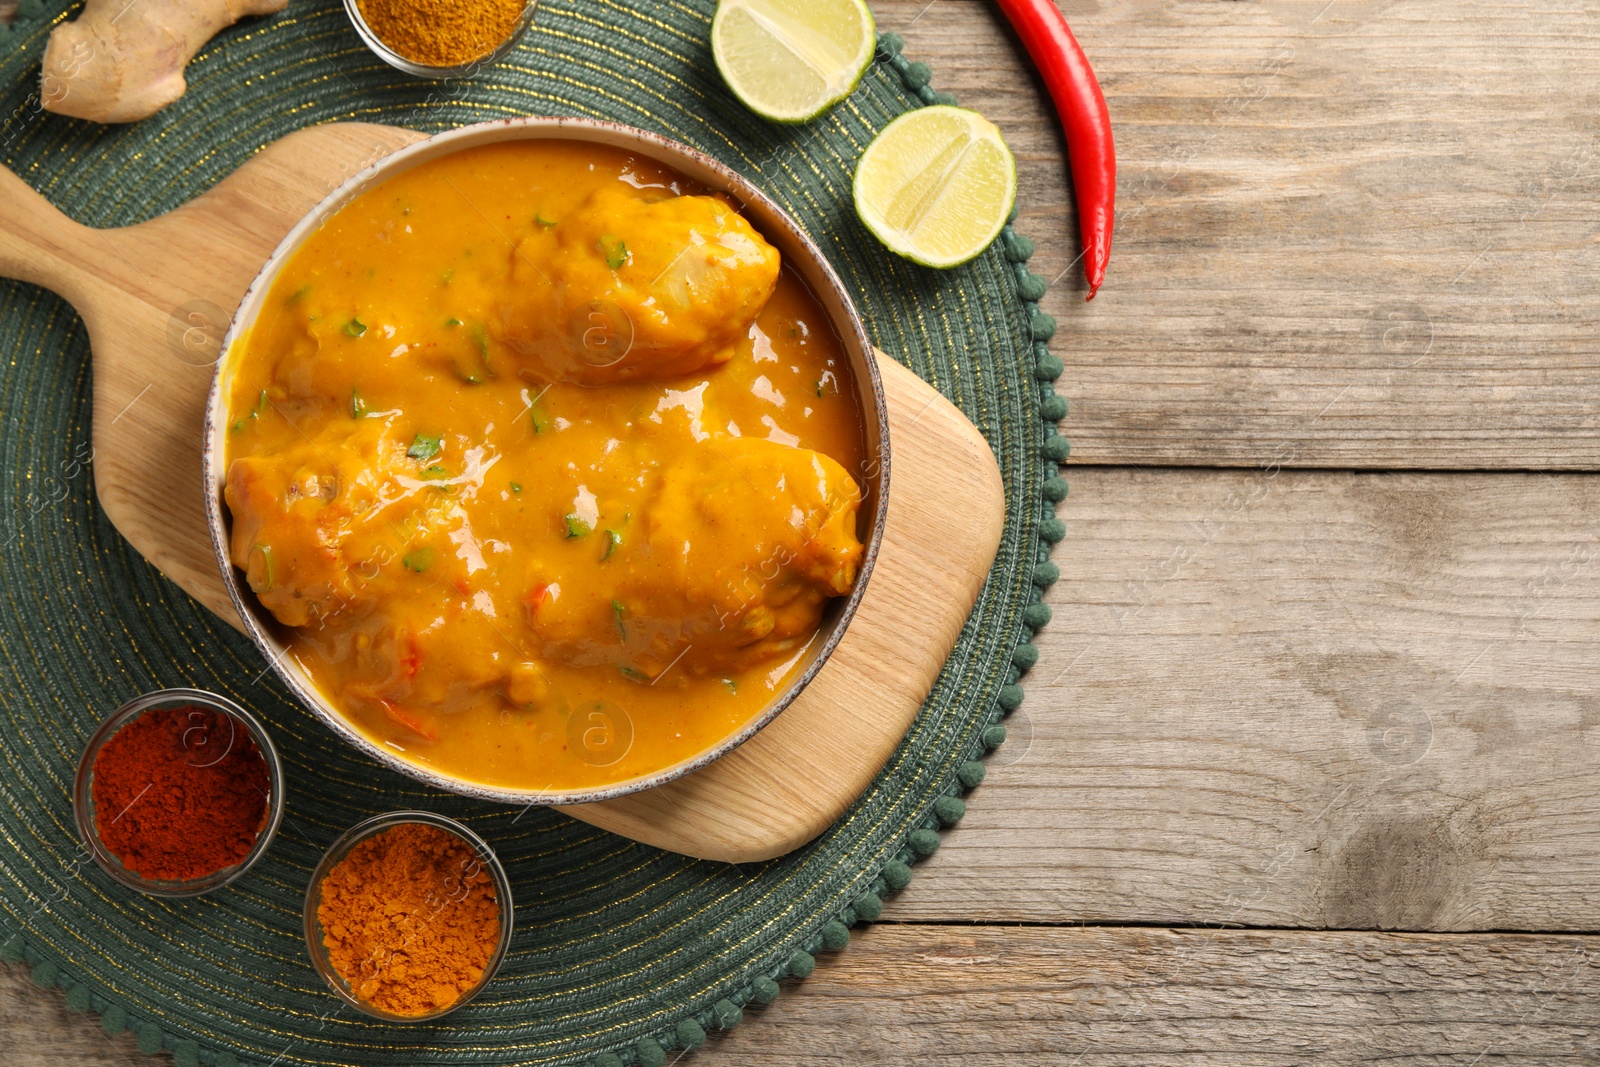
<point>39,244</point>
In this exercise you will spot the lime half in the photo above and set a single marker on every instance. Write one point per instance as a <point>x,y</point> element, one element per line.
<point>791,60</point>
<point>937,185</point>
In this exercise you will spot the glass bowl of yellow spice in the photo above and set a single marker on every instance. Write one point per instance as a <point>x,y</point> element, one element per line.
<point>408,916</point>
<point>439,38</point>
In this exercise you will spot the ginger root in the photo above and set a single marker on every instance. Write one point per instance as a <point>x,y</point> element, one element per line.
<point>121,62</point>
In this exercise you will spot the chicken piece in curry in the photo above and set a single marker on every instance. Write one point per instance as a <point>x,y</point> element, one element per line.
<point>677,295</point>
<point>547,466</point>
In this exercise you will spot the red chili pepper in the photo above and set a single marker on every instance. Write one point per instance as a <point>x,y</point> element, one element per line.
<point>1085,120</point>
<point>412,660</point>
<point>533,600</point>
<point>403,718</point>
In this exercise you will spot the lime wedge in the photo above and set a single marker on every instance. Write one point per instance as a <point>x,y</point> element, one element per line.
<point>936,185</point>
<point>791,60</point>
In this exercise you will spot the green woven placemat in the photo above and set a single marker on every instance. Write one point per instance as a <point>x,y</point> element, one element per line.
<point>622,952</point>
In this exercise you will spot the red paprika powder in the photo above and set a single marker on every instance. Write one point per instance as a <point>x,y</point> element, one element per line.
<point>180,793</point>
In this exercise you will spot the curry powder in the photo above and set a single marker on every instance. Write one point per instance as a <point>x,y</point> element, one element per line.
<point>442,33</point>
<point>410,919</point>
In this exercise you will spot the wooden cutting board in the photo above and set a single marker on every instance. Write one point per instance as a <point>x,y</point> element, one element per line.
<point>157,298</point>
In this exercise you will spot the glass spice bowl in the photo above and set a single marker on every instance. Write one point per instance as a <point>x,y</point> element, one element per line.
<point>370,828</point>
<point>83,791</point>
<point>399,62</point>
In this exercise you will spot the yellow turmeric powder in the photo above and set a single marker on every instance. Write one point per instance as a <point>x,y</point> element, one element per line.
<point>410,919</point>
<point>442,33</point>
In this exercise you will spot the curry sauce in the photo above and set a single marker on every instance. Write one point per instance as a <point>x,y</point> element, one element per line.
<point>545,463</point>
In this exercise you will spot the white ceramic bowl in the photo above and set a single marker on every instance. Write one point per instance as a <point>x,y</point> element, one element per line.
<point>798,251</point>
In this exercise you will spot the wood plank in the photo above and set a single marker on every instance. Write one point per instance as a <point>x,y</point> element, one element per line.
<point>1359,233</point>
<point>1301,699</point>
<point>37,1028</point>
<point>999,997</point>
<point>996,997</point>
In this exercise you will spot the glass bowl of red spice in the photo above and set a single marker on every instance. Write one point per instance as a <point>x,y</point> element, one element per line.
<point>439,38</point>
<point>178,793</point>
<point>408,916</point>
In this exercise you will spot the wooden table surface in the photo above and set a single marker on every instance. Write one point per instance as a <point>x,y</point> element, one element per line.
<point>1309,770</point>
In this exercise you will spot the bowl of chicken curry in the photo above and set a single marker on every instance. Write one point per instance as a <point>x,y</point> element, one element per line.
<point>546,460</point>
